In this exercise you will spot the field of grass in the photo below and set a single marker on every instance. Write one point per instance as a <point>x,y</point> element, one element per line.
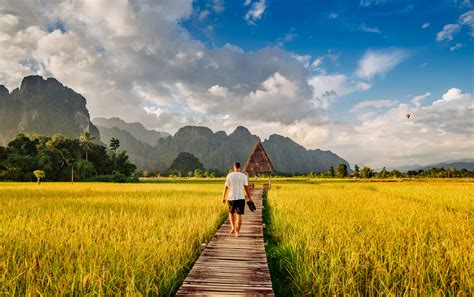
<point>338,238</point>
<point>325,236</point>
<point>92,238</point>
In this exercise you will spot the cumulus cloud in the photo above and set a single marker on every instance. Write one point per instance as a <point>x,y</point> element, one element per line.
<point>135,61</point>
<point>256,11</point>
<point>379,62</point>
<point>442,130</point>
<point>425,25</point>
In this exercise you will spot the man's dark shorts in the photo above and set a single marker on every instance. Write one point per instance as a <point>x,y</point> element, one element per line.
<point>236,206</point>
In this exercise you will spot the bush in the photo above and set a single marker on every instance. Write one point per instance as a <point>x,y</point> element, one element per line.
<point>115,177</point>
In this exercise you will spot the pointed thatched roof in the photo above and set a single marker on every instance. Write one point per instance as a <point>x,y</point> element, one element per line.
<point>258,161</point>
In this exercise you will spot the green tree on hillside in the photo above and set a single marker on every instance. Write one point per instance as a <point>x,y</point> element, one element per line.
<point>86,142</point>
<point>342,170</point>
<point>184,163</point>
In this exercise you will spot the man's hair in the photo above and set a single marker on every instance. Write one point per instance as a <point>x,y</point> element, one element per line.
<point>237,165</point>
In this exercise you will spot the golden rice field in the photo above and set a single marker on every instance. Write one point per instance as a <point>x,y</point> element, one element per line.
<point>354,238</point>
<point>326,237</point>
<point>102,239</point>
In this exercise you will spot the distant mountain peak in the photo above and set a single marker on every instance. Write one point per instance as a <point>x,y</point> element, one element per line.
<point>241,130</point>
<point>136,129</point>
<point>194,130</point>
<point>43,106</point>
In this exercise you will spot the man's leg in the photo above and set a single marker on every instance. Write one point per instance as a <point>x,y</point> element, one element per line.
<point>231,220</point>
<point>239,223</point>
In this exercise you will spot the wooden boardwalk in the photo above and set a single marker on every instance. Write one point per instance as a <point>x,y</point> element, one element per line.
<point>231,266</point>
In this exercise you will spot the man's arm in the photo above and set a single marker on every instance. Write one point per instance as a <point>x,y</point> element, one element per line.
<point>246,188</point>
<point>226,188</point>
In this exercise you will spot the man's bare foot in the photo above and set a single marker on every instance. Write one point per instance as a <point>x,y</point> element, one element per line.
<point>232,231</point>
<point>237,233</point>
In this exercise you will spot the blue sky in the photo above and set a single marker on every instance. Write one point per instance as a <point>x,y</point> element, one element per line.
<point>334,75</point>
<point>348,29</point>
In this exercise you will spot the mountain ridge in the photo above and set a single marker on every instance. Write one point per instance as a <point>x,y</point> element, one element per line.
<point>46,106</point>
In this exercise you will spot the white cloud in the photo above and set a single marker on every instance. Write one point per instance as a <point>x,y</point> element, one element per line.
<point>333,15</point>
<point>425,25</point>
<point>372,104</point>
<point>363,85</point>
<point>326,88</point>
<point>379,62</point>
<point>365,28</point>
<point>217,90</point>
<point>467,19</point>
<point>440,131</point>
<point>218,6</point>
<point>303,59</point>
<point>247,2</point>
<point>368,3</point>
<point>456,46</point>
<point>418,99</point>
<point>203,15</point>
<point>447,33</point>
<point>255,12</point>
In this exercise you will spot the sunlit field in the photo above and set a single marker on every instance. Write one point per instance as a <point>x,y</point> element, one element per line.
<point>337,238</point>
<point>107,239</point>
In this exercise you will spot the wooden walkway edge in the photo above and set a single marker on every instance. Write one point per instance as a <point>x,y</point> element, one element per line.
<point>231,266</point>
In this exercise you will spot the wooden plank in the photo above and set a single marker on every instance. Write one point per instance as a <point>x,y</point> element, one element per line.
<point>231,266</point>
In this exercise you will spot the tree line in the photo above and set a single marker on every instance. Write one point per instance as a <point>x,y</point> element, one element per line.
<point>367,172</point>
<point>58,158</point>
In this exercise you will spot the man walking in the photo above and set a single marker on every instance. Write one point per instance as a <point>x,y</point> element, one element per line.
<point>237,182</point>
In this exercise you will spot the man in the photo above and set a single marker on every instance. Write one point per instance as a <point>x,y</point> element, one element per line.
<point>237,182</point>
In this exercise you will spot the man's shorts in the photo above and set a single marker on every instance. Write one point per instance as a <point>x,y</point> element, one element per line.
<point>236,206</point>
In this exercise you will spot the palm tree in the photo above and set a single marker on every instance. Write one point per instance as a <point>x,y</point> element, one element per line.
<point>86,142</point>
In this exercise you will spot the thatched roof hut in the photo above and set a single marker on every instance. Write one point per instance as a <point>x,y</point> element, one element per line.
<point>258,161</point>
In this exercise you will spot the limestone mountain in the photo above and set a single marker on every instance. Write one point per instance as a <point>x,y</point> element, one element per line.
<point>43,106</point>
<point>219,150</point>
<point>136,129</point>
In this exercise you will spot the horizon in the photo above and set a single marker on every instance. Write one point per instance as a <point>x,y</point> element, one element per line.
<point>331,76</point>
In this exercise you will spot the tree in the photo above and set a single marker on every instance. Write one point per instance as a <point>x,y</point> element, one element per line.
<point>396,173</point>
<point>39,174</point>
<point>84,169</point>
<point>86,142</point>
<point>331,172</point>
<point>356,170</point>
<point>383,173</point>
<point>366,172</point>
<point>342,170</point>
<point>184,163</point>
<point>114,145</point>
<point>123,164</point>
<point>198,173</point>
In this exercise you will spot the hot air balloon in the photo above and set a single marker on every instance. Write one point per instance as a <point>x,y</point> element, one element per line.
<point>407,116</point>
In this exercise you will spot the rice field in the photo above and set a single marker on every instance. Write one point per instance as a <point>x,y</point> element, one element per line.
<point>354,238</point>
<point>102,239</point>
<point>325,237</point>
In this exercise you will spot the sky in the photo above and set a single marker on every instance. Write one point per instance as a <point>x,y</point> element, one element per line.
<point>334,75</point>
